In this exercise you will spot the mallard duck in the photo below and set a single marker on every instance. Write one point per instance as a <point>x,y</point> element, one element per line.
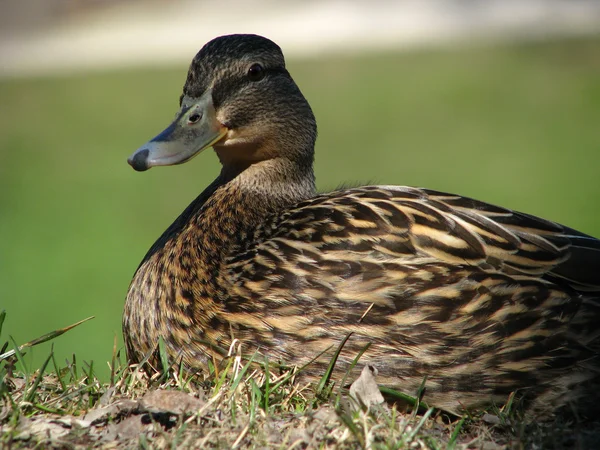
<point>479,300</point>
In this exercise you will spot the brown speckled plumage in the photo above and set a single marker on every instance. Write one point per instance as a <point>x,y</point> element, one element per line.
<point>481,300</point>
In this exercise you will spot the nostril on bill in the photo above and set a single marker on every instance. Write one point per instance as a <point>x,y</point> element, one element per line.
<point>139,161</point>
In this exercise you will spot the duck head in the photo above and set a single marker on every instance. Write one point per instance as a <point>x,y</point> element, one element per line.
<point>239,99</point>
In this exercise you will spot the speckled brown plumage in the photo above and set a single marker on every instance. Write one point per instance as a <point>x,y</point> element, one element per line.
<point>481,300</point>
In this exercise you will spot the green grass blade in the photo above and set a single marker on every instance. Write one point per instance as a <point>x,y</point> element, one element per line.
<point>346,419</point>
<point>2,317</point>
<point>69,395</point>
<point>432,443</point>
<point>32,390</point>
<point>113,362</point>
<point>267,386</point>
<point>347,374</point>
<point>59,376</point>
<point>45,409</point>
<point>421,389</point>
<point>420,393</point>
<point>238,379</point>
<point>164,358</point>
<point>147,357</point>
<point>455,433</point>
<point>398,395</point>
<point>324,381</point>
<point>89,374</point>
<point>73,369</point>
<point>223,376</point>
<point>19,355</point>
<point>292,373</point>
<point>414,432</point>
<point>255,400</point>
<point>45,338</point>
<point>53,334</point>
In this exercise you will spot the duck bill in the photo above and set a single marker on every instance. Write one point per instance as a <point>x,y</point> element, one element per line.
<point>194,129</point>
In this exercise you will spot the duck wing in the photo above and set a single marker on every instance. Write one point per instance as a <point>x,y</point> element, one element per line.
<point>519,243</point>
<point>479,299</point>
<point>395,224</point>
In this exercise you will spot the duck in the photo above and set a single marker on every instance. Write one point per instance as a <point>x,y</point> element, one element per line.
<point>477,301</point>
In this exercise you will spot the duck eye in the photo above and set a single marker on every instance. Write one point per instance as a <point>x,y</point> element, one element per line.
<point>256,72</point>
<point>194,118</point>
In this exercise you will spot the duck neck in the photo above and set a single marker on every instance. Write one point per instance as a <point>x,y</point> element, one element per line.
<point>268,185</point>
<point>223,218</point>
<point>244,198</point>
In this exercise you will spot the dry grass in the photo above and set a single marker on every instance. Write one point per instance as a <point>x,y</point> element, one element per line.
<point>239,405</point>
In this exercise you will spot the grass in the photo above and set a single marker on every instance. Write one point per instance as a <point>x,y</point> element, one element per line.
<point>240,405</point>
<point>513,125</point>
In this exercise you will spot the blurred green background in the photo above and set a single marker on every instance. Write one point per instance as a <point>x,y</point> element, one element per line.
<point>515,125</point>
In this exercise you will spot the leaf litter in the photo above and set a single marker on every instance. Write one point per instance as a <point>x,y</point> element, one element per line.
<point>242,405</point>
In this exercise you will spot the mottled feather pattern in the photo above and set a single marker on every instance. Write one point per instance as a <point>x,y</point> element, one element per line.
<point>446,284</point>
<point>397,250</point>
<point>480,300</point>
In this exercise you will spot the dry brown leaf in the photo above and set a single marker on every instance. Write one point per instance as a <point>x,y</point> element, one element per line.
<point>174,402</point>
<point>41,428</point>
<point>73,422</point>
<point>325,414</point>
<point>107,396</point>
<point>365,390</point>
<point>128,428</point>
<point>97,415</point>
